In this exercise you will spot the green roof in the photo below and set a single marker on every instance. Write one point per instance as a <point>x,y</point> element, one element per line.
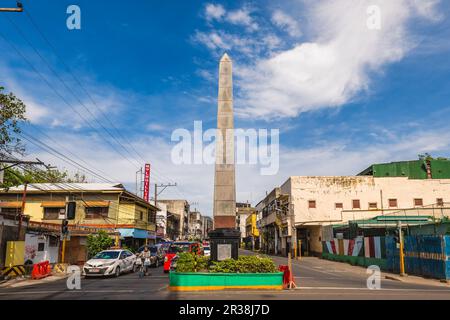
<point>414,169</point>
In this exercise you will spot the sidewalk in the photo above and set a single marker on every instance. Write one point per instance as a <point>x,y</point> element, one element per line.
<point>345,268</point>
<point>411,279</point>
<point>23,282</point>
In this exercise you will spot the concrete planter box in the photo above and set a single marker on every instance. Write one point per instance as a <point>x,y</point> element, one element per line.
<point>196,281</point>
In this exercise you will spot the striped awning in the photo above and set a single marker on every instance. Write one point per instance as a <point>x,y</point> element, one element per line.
<point>11,204</point>
<point>53,204</point>
<point>96,203</point>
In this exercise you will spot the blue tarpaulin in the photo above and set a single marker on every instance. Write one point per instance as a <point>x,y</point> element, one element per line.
<point>134,233</point>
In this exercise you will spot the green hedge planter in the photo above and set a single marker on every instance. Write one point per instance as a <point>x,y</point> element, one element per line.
<point>195,281</point>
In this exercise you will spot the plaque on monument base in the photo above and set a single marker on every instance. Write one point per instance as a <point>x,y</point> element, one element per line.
<point>224,243</point>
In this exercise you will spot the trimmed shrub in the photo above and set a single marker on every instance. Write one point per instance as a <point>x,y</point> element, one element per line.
<point>244,264</point>
<point>188,262</point>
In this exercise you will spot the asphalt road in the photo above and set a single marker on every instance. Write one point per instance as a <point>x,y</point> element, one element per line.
<point>316,279</point>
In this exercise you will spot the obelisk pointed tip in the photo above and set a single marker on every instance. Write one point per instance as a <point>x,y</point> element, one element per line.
<point>225,57</point>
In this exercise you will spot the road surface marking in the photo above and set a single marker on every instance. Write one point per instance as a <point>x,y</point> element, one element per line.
<point>382,289</point>
<point>68,291</point>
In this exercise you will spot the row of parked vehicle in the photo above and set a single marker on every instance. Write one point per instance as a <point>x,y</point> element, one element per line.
<point>113,262</point>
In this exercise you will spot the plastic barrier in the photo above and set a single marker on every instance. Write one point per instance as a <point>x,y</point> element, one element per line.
<point>286,275</point>
<point>11,272</point>
<point>59,267</point>
<point>41,270</point>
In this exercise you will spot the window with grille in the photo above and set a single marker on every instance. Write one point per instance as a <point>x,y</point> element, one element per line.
<point>10,210</point>
<point>418,202</point>
<point>393,203</point>
<point>373,205</point>
<point>338,205</point>
<point>52,213</point>
<point>440,202</point>
<point>96,212</point>
<point>356,204</point>
<point>311,204</point>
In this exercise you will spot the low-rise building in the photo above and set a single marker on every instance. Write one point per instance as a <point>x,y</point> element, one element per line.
<point>195,225</point>
<point>251,239</point>
<point>313,202</point>
<point>243,210</point>
<point>207,225</point>
<point>99,206</point>
<point>181,209</point>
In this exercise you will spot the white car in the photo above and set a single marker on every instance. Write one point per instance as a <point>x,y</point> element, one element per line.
<point>207,251</point>
<point>110,262</point>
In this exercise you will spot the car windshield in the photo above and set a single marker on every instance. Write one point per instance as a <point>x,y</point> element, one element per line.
<point>178,248</point>
<point>107,255</point>
<point>206,248</point>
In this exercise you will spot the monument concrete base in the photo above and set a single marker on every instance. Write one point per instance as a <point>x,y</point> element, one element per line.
<point>224,243</point>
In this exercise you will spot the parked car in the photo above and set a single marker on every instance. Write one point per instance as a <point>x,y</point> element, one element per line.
<point>207,251</point>
<point>165,246</point>
<point>110,262</point>
<point>156,255</point>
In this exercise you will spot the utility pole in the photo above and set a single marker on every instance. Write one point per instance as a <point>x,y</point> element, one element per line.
<point>18,9</point>
<point>138,182</point>
<point>24,198</point>
<point>402,254</point>
<point>292,284</point>
<point>163,186</point>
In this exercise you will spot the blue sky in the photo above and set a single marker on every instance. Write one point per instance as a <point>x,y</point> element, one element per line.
<point>342,96</point>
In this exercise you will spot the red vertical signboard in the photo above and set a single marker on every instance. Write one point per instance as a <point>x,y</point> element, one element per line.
<point>146,181</point>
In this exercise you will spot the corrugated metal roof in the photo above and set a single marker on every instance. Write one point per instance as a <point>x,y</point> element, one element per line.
<point>69,187</point>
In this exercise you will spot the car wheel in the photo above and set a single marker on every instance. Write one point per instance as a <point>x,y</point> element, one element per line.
<point>117,273</point>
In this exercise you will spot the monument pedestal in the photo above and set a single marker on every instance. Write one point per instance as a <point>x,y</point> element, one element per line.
<point>224,243</point>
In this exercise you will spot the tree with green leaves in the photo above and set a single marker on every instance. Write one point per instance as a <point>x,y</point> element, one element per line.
<point>98,242</point>
<point>29,174</point>
<point>12,112</point>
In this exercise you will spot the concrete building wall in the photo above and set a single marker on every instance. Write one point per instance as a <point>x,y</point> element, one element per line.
<point>39,248</point>
<point>326,192</point>
<point>180,208</point>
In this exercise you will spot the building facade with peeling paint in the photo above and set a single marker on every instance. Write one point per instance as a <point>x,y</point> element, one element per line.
<point>313,202</point>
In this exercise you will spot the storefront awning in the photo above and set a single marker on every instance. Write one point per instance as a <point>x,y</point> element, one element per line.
<point>96,203</point>
<point>53,204</point>
<point>134,233</point>
<point>11,204</point>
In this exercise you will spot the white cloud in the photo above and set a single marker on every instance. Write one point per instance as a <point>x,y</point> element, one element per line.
<point>156,127</point>
<point>205,74</point>
<point>242,17</point>
<point>212,40</point>
<point>214,11</point>
<point>237,17</point>
<point>286,22</point>
<point>337,64</point>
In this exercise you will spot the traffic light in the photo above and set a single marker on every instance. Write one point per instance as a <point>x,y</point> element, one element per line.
<point>65,226</point>
<point>71,208</point>
<point>396,236</point>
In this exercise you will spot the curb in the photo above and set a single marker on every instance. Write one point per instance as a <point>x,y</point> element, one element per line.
<point>29,281</point>
<point>394,278</point>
